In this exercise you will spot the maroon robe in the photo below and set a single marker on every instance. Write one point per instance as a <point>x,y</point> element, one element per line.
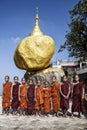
<point>15,98</point>
<point>64,103</point>
<point>78,102</point>
<point>30,99</point>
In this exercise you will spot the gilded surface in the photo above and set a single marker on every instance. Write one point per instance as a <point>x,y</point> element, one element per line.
<point>34,53</point>
<point>48,70</point>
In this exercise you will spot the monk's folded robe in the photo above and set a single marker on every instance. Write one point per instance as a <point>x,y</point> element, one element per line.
<point>15,96</point>
<point>64,103</point>
<point>55,93</point>
<point>6,95</point>
<point>39,97</point>
<point>78,102</point>
<point>30,99</point>
<point>23,99</point>
<point>46,99</point>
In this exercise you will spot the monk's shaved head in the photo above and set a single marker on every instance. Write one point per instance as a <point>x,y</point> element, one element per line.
<point>38,82</point>
<point>16,77</point>
<point>6,78</point>
<point>54,78</point>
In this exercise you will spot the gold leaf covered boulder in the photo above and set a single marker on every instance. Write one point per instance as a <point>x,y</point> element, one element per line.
<point>34,52</point>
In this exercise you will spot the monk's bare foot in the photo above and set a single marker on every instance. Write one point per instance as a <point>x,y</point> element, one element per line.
<point>54,114</point>
<point>57,114</point>
<point>14,113</point>
<point>7,113</point>
<point>47,115</point>
<point>44,115</point>
<point>72,116</point>
<point>3,113</point>
<point>79,116</point>
<point>23,113</point>
<point>39,114</point>
<point>65,116</point>
<point>36,114</point>
<point>20,114</point>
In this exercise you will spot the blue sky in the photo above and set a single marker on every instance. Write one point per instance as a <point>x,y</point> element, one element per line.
<point>17,21</point>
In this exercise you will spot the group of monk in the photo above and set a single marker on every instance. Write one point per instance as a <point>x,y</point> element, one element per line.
<point>27,98</point>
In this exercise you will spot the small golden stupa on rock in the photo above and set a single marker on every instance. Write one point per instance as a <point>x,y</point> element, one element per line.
<point>34,52</point>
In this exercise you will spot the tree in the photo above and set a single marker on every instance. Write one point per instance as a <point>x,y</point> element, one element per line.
<point>76,37</point>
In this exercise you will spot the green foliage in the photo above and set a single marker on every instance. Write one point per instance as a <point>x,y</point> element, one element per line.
<point>76,37</point>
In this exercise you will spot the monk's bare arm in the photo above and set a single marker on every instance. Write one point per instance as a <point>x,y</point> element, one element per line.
<point>68,92</point>
<point>42,92</point>
<point>19,93</point>
<point>11,92</point>
<point>72,86</point>
<point>26,94</point>
<point>35,93</point>
<point>61,91</point>
<point>83,93</point>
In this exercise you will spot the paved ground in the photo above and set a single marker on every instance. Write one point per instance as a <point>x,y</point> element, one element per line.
<point>41,123</point>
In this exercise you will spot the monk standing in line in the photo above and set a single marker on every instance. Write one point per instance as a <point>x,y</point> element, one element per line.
<point>15,95</point>
<point>30,97</point>
<point>47,98</point>
<point>55,93</point>
<point>38,97</point>
<point>22,97</point>
<point>6,96</point>
<point>65,92</point>
<point>78,96</point>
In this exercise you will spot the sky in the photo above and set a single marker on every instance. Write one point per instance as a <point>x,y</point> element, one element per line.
<point>17,19</point>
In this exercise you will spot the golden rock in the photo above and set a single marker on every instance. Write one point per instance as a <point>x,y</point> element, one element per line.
<point>34,52</point>
<point>48,70</point>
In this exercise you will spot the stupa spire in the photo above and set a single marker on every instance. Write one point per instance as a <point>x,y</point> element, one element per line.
<point>37,18</point>
<point>36,30</point>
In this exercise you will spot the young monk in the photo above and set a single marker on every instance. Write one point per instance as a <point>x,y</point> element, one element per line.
<point>38,97</point>
<point>30,97</point>
<point>47,98</point>
<point>55,93</point>
<point>15,95</point>
<point>65,92</point>
<point>6,95</point>
<point>22,97</point>
<point>78,96</point>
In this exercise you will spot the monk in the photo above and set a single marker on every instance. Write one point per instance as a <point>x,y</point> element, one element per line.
<point>78,96</point>
<point>55,93</point>
<point>38,97</point>
<point>30,97</point>
<point>22,97</point>
<point>65,92</point>
<point>6,95</point>
<point>15,96</point>
<point>47,98</point>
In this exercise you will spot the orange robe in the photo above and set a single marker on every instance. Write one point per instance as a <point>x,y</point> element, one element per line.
<point>39,97</point>
<point>23,101</point>
<point>55,93</point>
<point>6,95</point>
<point>46,98</point>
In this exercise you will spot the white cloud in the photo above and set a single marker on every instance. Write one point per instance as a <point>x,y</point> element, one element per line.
<point>10,40</point>
<point>15,39</point>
